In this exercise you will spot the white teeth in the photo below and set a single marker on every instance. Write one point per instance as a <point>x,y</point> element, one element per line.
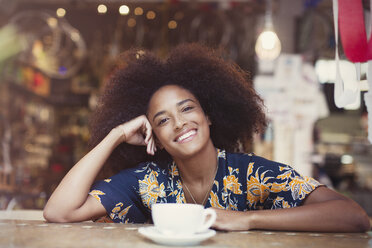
<point>186,135</point>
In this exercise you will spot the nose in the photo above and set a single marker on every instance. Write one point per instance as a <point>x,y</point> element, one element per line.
<point>179,121</point>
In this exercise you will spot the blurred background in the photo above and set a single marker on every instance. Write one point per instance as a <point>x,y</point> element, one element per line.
<point>56,55</point>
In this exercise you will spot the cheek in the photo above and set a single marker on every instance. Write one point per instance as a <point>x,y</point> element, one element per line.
<point>203,119</point>
<point>161,134</point>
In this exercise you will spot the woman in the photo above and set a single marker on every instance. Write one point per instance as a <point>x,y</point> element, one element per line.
<point>190,112</point>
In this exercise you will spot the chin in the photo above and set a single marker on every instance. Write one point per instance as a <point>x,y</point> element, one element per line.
<point>188,151</point>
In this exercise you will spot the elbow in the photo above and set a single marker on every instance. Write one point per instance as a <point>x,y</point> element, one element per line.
<point>50,215</point>
<point>365,224</point>
<point>361,222</point>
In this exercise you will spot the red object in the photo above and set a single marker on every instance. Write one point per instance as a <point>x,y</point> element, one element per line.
<point>353,32</point>
<point>205,7</point>
<point>234,4</point>
<point>38,79</point>
<point>63,148</point>
<point>57,168</point>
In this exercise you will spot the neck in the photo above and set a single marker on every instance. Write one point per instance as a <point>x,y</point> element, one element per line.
<point>199,168</point>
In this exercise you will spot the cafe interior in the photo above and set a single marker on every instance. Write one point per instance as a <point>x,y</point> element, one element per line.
<point>57,55</point>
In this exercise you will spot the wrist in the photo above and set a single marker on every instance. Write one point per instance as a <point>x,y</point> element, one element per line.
<point>252,220</point>
<point>117,136</point>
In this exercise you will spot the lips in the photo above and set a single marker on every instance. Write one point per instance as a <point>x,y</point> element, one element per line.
<point>185,136</point>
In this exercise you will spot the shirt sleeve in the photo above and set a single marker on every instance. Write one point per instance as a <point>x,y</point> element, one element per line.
<point>272,185</point>
<point>119,195</point>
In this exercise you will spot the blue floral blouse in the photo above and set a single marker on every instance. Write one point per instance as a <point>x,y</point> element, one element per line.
<point>243,182</point>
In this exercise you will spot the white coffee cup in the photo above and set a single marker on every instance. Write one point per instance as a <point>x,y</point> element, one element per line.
<point>178,218</point>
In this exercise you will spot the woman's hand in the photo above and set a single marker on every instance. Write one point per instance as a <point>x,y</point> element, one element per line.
<point>63,206</point>
<point>137,131</point>
<point>229,220</point>
<point>324,210</point>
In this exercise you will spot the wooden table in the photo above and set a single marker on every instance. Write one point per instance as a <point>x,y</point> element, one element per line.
<point>39,234</point>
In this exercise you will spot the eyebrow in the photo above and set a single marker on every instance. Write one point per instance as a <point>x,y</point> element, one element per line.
<point>178,104</point>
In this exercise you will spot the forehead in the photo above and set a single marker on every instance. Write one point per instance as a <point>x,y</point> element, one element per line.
<point>169,95</point>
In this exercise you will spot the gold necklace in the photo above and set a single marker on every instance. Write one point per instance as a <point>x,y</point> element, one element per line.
<point>208,192</point>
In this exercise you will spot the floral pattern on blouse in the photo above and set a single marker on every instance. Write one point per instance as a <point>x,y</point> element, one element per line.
<point>243,182</point>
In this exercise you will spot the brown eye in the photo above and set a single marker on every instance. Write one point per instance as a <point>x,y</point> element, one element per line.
<point>162,121</point>
<point>188,108</point>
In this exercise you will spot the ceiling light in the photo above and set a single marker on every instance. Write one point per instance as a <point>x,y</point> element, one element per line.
<point>268,45</point>
<point>124,10</point>
<point>102,9</point>
<point>61,12</point>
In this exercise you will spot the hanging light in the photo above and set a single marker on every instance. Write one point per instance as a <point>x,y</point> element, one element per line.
<point>102,9</point>
<point>124,10</point>
<point>61,12</point>
<point>268,44</point>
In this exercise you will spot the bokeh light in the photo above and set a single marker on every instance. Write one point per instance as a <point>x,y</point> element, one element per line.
<point>102,9</point>
<point>124,10</point>
<point>61,12</point>
<point>150,15</point>
<point>172,24</point>
<point>138,11</point>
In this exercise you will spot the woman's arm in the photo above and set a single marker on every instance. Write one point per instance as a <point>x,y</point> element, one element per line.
<point>70,201</point>
<point>324,210</point>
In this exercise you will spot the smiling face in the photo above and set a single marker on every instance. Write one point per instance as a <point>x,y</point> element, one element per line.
<point>179,122</point>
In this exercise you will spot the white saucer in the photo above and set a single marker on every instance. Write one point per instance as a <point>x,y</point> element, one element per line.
<point>193,239</point>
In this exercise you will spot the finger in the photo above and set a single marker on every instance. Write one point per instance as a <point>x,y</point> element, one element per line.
<point>148,149</point>
<point>148,131</point>
<point>149,146</point>
<point>153,146</point>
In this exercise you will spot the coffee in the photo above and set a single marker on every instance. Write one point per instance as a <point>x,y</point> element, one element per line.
<point>176,218</point>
